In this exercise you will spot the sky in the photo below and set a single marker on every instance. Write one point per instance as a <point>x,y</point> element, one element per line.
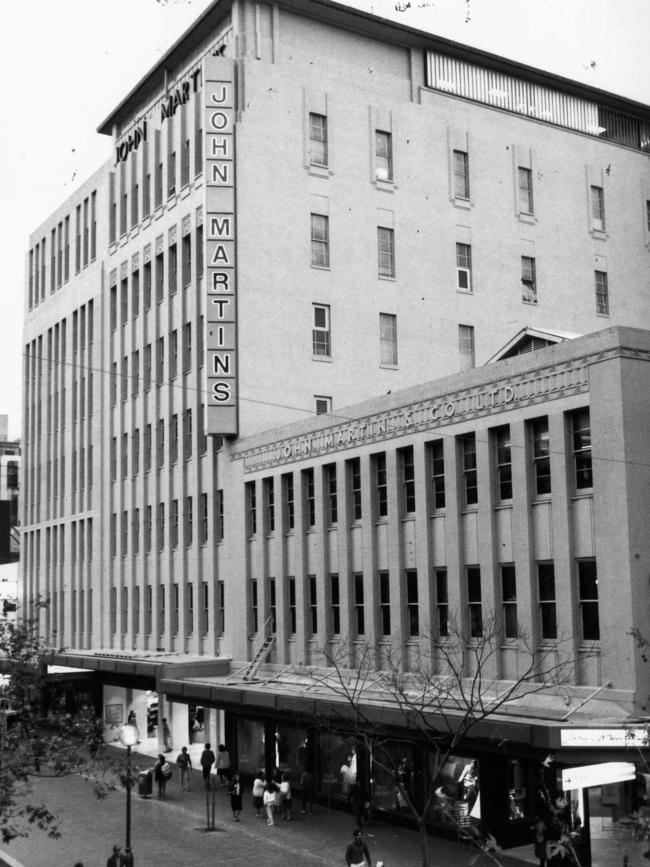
<point>67,63</point>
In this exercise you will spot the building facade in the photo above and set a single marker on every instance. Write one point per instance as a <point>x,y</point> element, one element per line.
<point>307,207</point>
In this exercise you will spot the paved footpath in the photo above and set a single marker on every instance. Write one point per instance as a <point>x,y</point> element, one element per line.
<point>171,833</point>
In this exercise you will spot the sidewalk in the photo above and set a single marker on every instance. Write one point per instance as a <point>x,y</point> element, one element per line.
<point>172,832</point>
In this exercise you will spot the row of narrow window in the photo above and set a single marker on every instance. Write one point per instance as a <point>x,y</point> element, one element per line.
<point>130,525</point>
<point>502,456</point>
<point>547,626</point>
<point>85,251</point>
<point>142,445</point>
<point>178,618</point>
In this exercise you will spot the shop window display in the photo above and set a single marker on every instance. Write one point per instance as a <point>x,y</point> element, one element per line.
<point>250,747</point>
<point>457,799</point>
<point>291,751</point>
<point>394,778</point>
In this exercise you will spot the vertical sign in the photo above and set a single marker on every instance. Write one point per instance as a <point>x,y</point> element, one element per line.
<point>219,235</point>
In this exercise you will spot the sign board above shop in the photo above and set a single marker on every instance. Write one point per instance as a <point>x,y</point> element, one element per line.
<point>597,775</point>
<point>614,737</point>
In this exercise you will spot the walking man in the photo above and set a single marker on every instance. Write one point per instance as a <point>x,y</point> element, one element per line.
<point>207,760</point>
<point>357,854</point>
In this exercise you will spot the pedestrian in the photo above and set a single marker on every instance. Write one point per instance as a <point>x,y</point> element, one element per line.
<point>184,763</point>
<point>357,854</point>
<point>162,771</point>
<point>285,798</point>
<point>234,790</point>
<point>207,760</point>
<point>167,736</point>
<point>307,786</point>
<point>540,840</point>
<point>258,793</point>
<point>269,803</point>
<point>131,720</point>
<point>223,765</point>
<point>114,859</point>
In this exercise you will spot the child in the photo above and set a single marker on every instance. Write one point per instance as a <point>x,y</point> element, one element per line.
<point>285,798</point>
<point>269,803</point>
<point>258,793</point>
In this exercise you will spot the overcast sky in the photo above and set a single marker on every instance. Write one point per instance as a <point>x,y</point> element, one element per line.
<point>66,63</point>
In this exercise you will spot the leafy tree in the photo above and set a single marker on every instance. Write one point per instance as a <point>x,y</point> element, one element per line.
<point>36,741</point>
<point>437,702</point>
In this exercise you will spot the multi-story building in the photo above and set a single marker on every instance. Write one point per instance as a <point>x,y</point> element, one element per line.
<point>307,207</point>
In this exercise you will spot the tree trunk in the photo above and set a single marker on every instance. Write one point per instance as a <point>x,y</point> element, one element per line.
<point>425,843</point>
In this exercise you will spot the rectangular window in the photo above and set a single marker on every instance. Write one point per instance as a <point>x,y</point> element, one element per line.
<point>359,616</point>
<point>470,479</point>
<point>442,603</point>
<point>135,452</point>
<point>466,346</point>
<point>503,455</point>
<point>321,344</point>
<point>220,515</point>
<point>289,502</point>
<point>383,156</point>
<point>124,301</point>
<point>528,280</point>
<point>335,604</point>
<point>124,378</point>
<point>187,434</point>
<point>381,484</point>
<point>173,354</point>
<point>588,586</point>
<point>146,289</point>
<point>160,361</point>
<point>438,474</point>
<point>172,260</point>
<point>309,496</point>
<point>148,523</point>
<point>160,278</point>
<point>273,610</point>
<point>407,467</point>
<point>221,607</point>
<point>251,509</point>
<point>525,178</point>
<point>509,601</point>
<point>320,241</point>
<point>189,521</point>
<point>474,606</point>
<point>412,606</point>
<point>354,465</point>
<point>135,293</point>
<point>174,524</point>
<point>160,443</point>
<point>547,612</point>
<point>204,518</point>
<point>254,604</point>
<point>384,603</point>
<point>602,293</point>
<point>385,252</point>
<point>323,404</point>
<point>647,215</point>
<point>317,140</point>
<point>291,598</point>
<point>388,339</point>
<point>331,493</point>
<point>175,608</point>
<point>461,175</point>
<point>581,435</point>
<point>597,209</point>
<point>205,607</point>
<point>147,448</point>
<point>464,267</point>
<point>313,605</point>
<point>173,438</point>
<point>187,260</point>
<point>541,457</point>
<point>269,504</point>
<point>161,526</point>
<point>187,347</point>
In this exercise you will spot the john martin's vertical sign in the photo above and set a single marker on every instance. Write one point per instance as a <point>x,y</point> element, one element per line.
<point>220,247</point>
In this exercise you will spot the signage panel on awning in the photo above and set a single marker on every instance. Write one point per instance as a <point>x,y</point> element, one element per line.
<point>597,775</point>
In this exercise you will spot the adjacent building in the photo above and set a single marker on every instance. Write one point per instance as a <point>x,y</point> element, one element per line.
<point>259,413</point>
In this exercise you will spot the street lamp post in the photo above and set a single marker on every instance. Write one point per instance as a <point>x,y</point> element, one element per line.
<point>129,738</point>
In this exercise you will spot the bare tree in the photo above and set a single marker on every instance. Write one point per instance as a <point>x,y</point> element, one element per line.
<point>437,700</point>
<point>39,741</point>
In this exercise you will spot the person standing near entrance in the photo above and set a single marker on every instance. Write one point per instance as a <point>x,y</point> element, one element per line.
<point>357,854</point>
<point>114,859</point>
<point>223,765</point>
<point>207,760</point>
<point>167,736</point>
<point>234,790</point>
<point>184,763</point>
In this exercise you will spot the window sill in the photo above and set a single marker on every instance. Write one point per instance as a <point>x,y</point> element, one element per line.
<point>464,291</point>
<point>319,171</point>
<point>505,504</point>
<point>438,513</point>
<point>599,234</point>
<point>464,204</point>
<point>389,366</point>
<point>603,315</point>
<point>320,267</point>
<point>385,186</point>
<point>538,499</point>
<point>383,520</point>
<point>326,358</point>
<point>469,510</point>
<point>530,303</point>
<point>386,277</point>
<point>525,217</point>
<point>587,495</point>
